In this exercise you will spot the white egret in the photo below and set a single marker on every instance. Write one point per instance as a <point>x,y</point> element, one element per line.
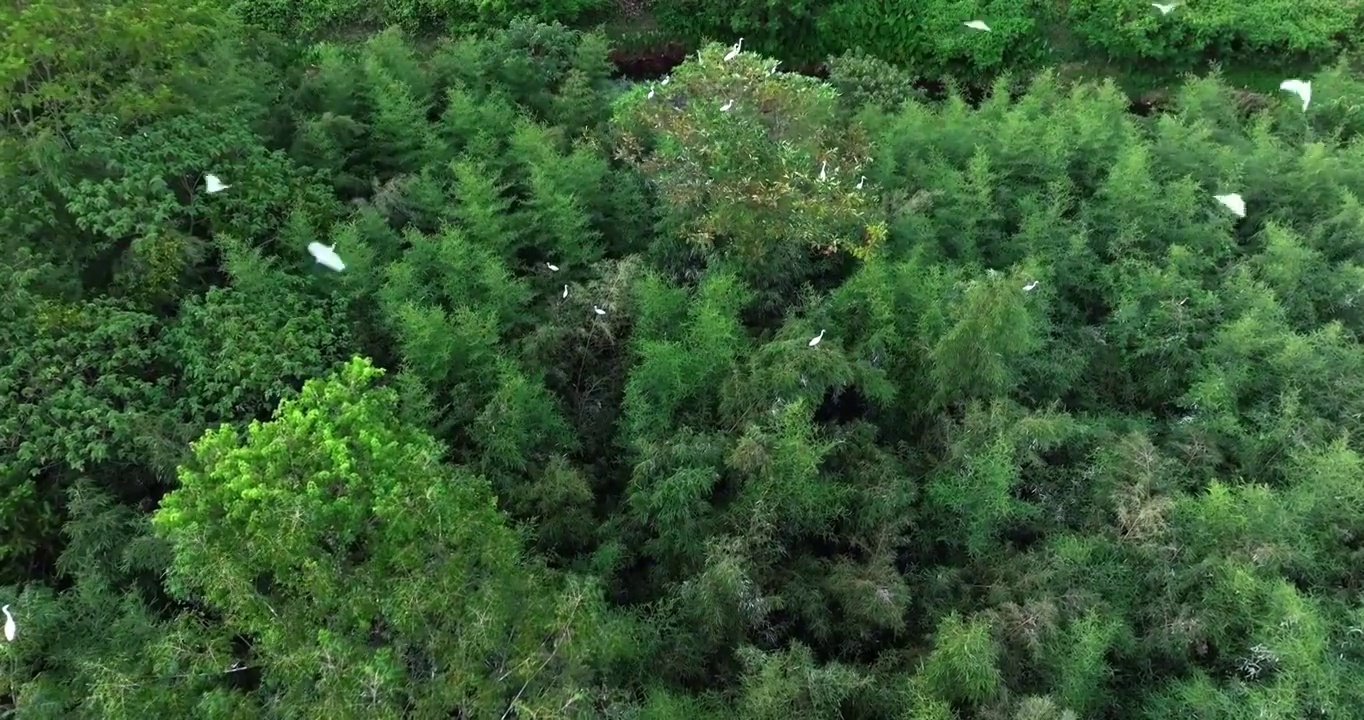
<point>1030,286</point>
<point>552,266</point>
<point>773,71</point>
<point>326,256</point>
<point>1301,88</point>
<point>815,340</point>
<point>214,184</point>
<point>861,182</point>
<point>1164,9</point>
<point>824,170</point>
<point>565,295</point>
<point>728,104</point>
<point>666,78</point>
<point>1234,203</point>
<point>10,627</point>
<point>651,92</point>
<point>598,310</point>
<point>977,25</point>
<point>734,50</point>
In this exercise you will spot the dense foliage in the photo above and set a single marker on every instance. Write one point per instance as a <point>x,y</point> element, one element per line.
<point>1075,441</point>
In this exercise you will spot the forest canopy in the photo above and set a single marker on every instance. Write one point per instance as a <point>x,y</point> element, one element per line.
<point>731,391</point>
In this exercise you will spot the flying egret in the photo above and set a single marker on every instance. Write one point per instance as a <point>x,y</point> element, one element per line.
<point>1234,203</point>
<point>861,182</point>
<point>1164,9</point>
<point>734,50</point>
<point>598,310</point>
<point>552,267</point>
<point>824,170</point>
<point>10,627</point>
<point>977,25</point>
<point>728,104</point>
<point>815,340</point>
<point>1030,286</point>
<point>565,295</point>
<point>214,184</point>
<point>1301,88</point>
<point>326,256</point>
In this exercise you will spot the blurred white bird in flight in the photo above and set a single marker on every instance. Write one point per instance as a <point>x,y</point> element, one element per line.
<point>326,256</point>
<point>1164,9</point>
<point>1234,203</point>
<point>977,25</point>
<point>1301,88</point>
<point>214,184</point>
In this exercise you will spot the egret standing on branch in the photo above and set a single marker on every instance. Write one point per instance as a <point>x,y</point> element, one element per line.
<point>552,267</point>
<point>1030,286</point>
<point>734,50</point>
<point>565,295</point>
<point>728,104</point>
<point>816,339</point>
<point>10,628</point>
<point>597,309</point>
<point>1301,88</point>
<point>824,170</point>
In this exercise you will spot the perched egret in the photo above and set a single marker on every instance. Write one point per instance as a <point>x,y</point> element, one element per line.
<point>1164,9</point>
<point>861,182</point>
<point>10,628</point>
<point>824,170</point>
<point>326,256</point>
<point>734,50</point>
<point>214,184</point>
<point>552,266</point>
<point>1030,286</point>
<point>565,295</point>
<point>977,25</point>
<point>728,104</point>
<point>598,310</point>
<point>815,340</point>
<point>1234,203</point>
<point>773,71</point>
<point>651,92</point>
<point>1301,88</point>
<point>666,78</point>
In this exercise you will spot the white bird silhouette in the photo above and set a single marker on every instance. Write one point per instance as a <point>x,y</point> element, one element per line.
<point>666,78</point>
<point>1301,88</point>
<point>598,310</point>
<point>214,184</point>
<point>10,627</point>
<point>1164,9</point>
<point>977,25</point>
<point>824,170</point>
<point>815,340</point>
<point>651,92</point>
<point>326,256</point>
<point>565,295</point>
<point>1234,203</point>
<point>1030,286</point>
<point>552,266</point>
<point>773,71</point>
<point>728,104</point>
<point>861,182</point>
<point>734,50</point>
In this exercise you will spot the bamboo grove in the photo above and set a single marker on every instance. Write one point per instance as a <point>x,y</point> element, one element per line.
<point>1076,441</point>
